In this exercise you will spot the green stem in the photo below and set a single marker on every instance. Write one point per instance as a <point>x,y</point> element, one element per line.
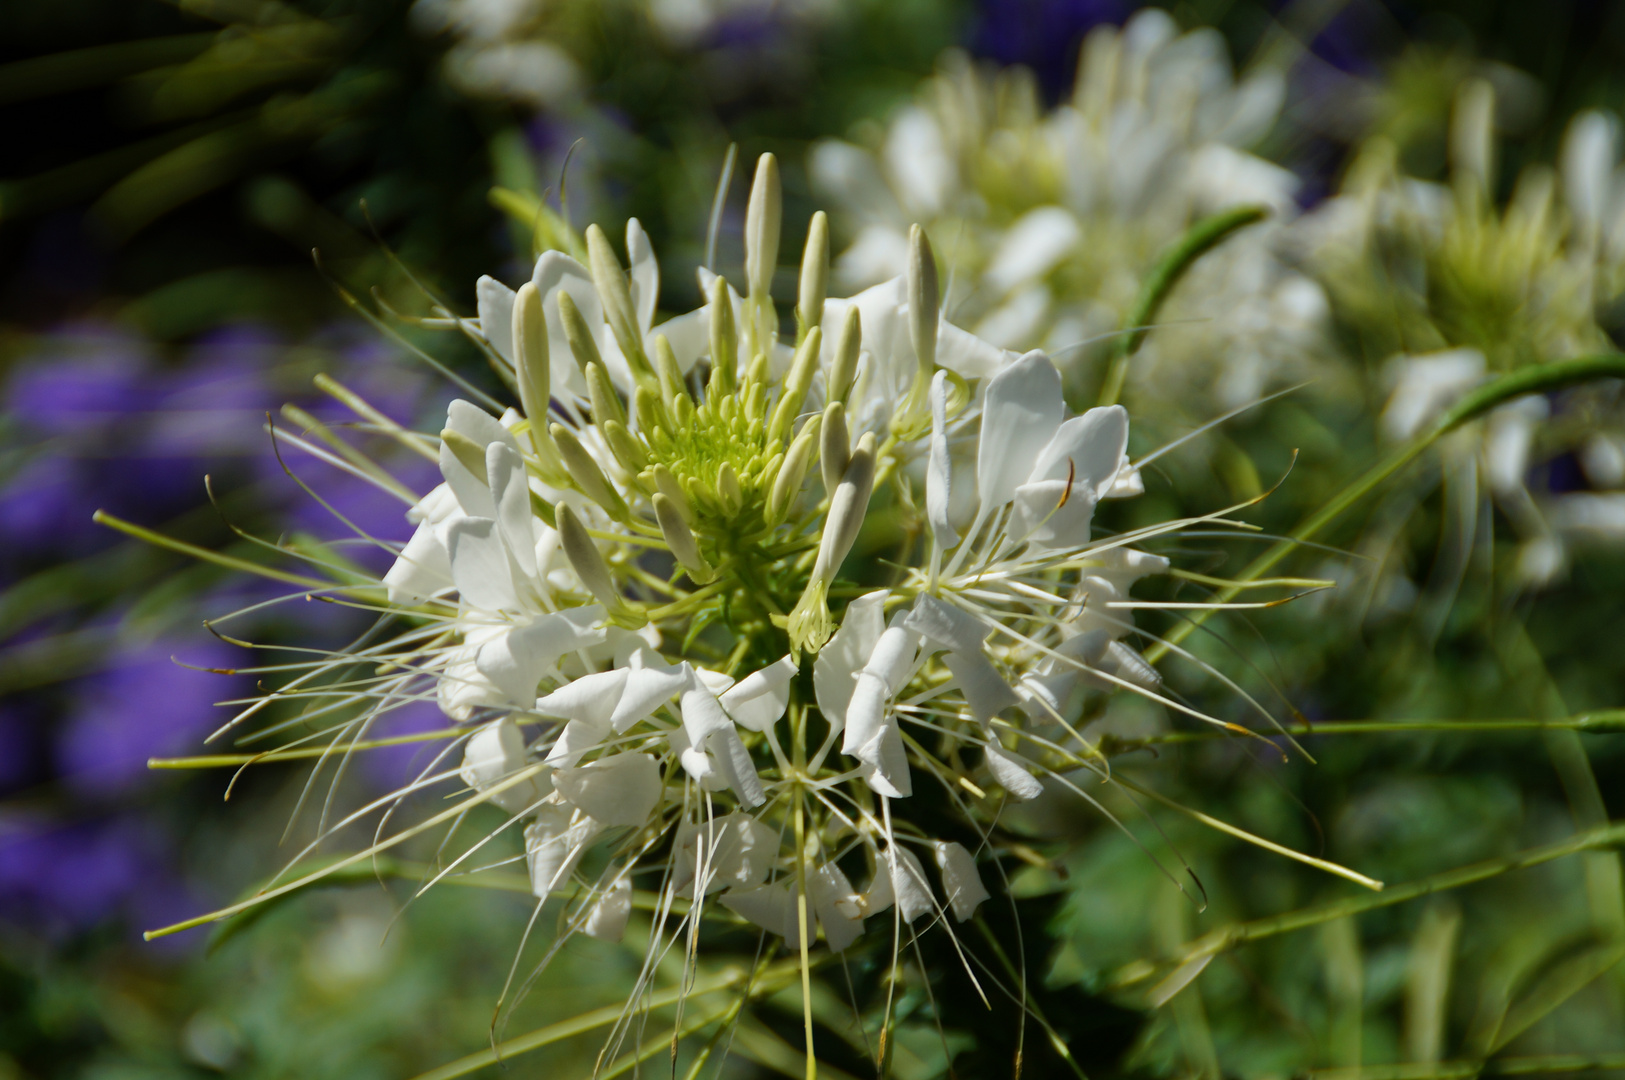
<point>1169,268</point>
<point>1237,934</point>
<point>1609,721</point>
<point>1536,378</point>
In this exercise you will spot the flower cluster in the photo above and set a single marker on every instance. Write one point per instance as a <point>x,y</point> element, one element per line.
<point>632,598</point>
<point>1447,291</point>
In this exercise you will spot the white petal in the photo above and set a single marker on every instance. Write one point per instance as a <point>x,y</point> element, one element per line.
<point>607,919</point>
<point>899,879</point>
<point>554,844</point>
<point>885,673</point>
<point>1020,415</point>
<point>422,569</point>
<point>591,698</point>
<point>1089,447</point>
<point>479,426</point>
<point>758,700</point>
<point>733,764</point>
<point>1048,513</point>
<point>573,742</point>
<point>960,881</point>
<point>984,688</point>
<point>555,273</point>
<point>644,274</point>
<point>1011,775</point>
<point>1033,246</point>
<point>510,490</point>
<point>839,661</point>
<point>883,763</point>
<point>836,904</point>
<point>771,907</point>
<point>702,714</point>
<point>647,688</point>
<point>946,626</point>
<point>479,564</point>
<point>734,851</point>
<point>620,789</point>
<point>493,754</point>
<point>494,302</point>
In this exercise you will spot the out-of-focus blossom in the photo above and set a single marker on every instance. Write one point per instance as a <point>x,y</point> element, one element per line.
<point>1050,220</point>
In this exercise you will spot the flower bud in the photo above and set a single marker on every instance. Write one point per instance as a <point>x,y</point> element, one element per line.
<point>835,450</point>
<point>586,474</point>
<point>762,217</point>
<point>728,491</point>
<point>615,292</point>
<point>651,413</point>
<point>589,565</point>
<point>791,474</point>
<point>530,355</point>
<point>467,452</point>
<point>796,384</point>
<point>680,539</point>
<point>606,404</point>
<point>923,299</point>
<point>844,368</point>
<point>627,450</point>
<point>667,485</point>
<point>814,275</point>
<point>846,509</point>
<point>672,383</point>
<point>577,332</point>
<point>724,340</point>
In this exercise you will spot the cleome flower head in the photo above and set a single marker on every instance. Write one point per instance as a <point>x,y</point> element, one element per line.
<point>647,603</point>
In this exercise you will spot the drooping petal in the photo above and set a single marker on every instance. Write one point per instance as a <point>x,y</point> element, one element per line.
<point>1020,414</point>
<point>650,684</point>
<point>945,626</point>
<point>772,907</point>
<point>607,919</point>
<point>885,673</point>
<point>1011,774</point>
<point>732,762</point>
<point>758,700</point>
<point>899,879</point>
<point>734,851</point>
<point>643,274</point>
<point>984,688</point>
<point>555,844</point>
<point>493,754</point>
<point>843,656</point>
<point>510,491</point>
<point>836,904</point>
<point>494,302</point>
<point>422,570</point>
<point>619,789</point>
<point>883,762</point>
<point>480,565</point>
<point>960,881</point>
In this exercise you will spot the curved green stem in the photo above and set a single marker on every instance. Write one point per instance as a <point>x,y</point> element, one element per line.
<point>1169,268</point>
<point>1535,379</point>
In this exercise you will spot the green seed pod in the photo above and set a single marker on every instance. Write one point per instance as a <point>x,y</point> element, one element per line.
<point>814,276</point>
<point>847,507</point>
<point>729,492</point>
<point>576,331</point>
<point>844,368</point>
<point>672,383</point>
<point>762,218</point>
<point>724,340</point>
<point>791,475</point>
<point>606,403</point>
<point>530,355</point>
<point>796,383</point>
<point>680,539</point>
<point>591,568</point>
<point>616,293</point>
<point>923,299</point>
<point>835,449</point>
<point>467,452</point>
<point>652,415</point>
<point>668,486</point>
<point>588,477</point>
<point>628,451</point>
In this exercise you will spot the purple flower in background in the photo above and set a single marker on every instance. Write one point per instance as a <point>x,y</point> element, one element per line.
<point>19,748</point>
<point>61,877</point>
<point>141,705</point>
<point>1042,34</point>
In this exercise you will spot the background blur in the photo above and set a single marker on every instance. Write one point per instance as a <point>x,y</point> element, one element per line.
<point>168,168</point>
